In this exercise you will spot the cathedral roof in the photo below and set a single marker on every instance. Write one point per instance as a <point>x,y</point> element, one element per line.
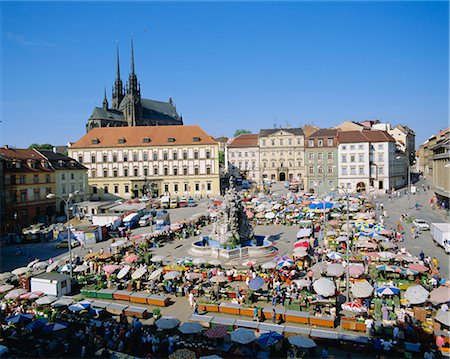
<point>100,113</point>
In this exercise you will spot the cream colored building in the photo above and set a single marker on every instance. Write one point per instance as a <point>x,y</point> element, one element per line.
<point>243,156</point>
<point>441,169</point>
<point>129,162</point>
<point>282,153</point>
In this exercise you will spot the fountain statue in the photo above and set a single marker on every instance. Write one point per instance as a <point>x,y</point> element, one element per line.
<point>232,226</point>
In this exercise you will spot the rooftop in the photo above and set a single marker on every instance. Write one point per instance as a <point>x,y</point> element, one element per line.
<point>245,140</point>
<point>364,136</point>
<point>144,136</point>
<point>271,131</point>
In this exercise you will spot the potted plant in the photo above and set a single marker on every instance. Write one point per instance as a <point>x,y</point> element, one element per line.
<point>156,313</point>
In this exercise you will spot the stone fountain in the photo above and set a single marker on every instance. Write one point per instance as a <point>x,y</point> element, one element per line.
<point>232,235</point>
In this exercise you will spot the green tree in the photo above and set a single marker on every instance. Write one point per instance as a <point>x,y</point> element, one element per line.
<point>240,132</point>
<point>44,146</point>
<point>222,157</point>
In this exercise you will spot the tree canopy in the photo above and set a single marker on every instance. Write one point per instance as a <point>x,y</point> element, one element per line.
<point>240,132</point>
<point>44,146</point>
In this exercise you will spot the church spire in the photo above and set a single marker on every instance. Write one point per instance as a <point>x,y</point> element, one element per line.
<point>117,94</point>
<point>132,55</point>
<point>105,101</point>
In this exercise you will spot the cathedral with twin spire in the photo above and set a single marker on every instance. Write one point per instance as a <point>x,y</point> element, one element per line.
<point>129,108</point>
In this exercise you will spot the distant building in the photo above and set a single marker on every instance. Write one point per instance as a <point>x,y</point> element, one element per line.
<point>366,160</point>
<point>441,169</point>
<point>131,162</point>
<point>282,153</point>
<point>404,138</point>
<point>352,126</point>
<point>129,108</point>
<point>27,178</point>
<point>425,153</point>
<point>70,177</point>
<point>321,157</point>
<point>243,156</point>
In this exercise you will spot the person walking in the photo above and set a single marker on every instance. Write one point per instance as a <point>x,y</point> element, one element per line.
<point>255,314</point>
<point>413,233</point>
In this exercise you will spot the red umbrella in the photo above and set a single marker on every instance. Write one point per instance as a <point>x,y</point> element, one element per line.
<point>218,332</point>
<point>301,244</point>
<point>372,254</point>
<point>111,268</point>
<point>31,295</point>
<point>131,258</point>
<point>418,267</point>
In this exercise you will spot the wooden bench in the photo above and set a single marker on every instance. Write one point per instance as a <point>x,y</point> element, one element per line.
<point>229,308</point>
<point>296,316</point>
<point>122,295</point>
<point>158,300</point>
<point>139,297</point>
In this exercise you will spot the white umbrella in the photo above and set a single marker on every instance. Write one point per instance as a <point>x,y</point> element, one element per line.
<point>243,336</point>
<point>46,300</point>
<point>361,289</point>
<point>335,270</point>
<point>171,275</point>
<point>79,306</point>
<point>443,317</point>
<point>334,256</point>
<point>123,272</point>
<point>167,323</point>
<point>63,302</point>
<point>138,273</point>
<point>302,283</point>
<point>32,263</point>
<point>302,342</point>
<point>324,287</point>
<point>6,275</point>
<point>198,261</point>
<point>40,265</point>
<point>156,259</point>
<point>53,266</point>
<point>269,265</point>
<point>300,252</point>
<point>5,287</point>
<point>218,279</point>
<point>118,243</point>
<point>440,295</point>
<point>190,328</point>
<point>155,274</point>
<point>269,215</point>
<point>416,294</point>
<point>21,270</point>
<point>81,268</point>
<point>304,232</point>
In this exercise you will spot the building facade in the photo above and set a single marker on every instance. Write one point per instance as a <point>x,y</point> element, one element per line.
<point>129,108</point>
<point>425,153</point>
<point>243,155</point>
<point>441,169</point>
<point>365,160</point>
<point>134,161</point>
<point>28,178</point>
<point>70,177</point>
<point>321,161</point>
<point>282,153</point>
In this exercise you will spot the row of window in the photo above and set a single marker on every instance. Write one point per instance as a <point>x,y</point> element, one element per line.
<point>239,154</point>
<point>320,142</point>
<point>360,147</point>
<point>361,157</point>
<point>72,176</point>
<point>23,179</point>
<point>72,188</point>
<point>246,165</point>
<point>145,156</point>
<point>280,153</point>
<point>145,172</point>
<point>312,155</point>
<point>290,164</point>
<point>361,170</point>
<point>176,188</point>
<point>281,142</point>
<point>320,183</point>
<point>22,196</point>
<point>320,170</point>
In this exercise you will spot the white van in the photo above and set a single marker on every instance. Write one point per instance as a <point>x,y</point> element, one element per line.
<point>145,220</point>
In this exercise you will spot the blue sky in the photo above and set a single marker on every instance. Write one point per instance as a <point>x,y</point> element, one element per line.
<point>226,65</point>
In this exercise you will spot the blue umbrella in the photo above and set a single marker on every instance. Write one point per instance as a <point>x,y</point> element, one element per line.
<point>37,324</point>
<point>256,283</point>
<point>20,318</point>
<point>388,290</point>
<point>313,205</point>
<point>54,327</point>
<point>270,338</point>
<point>328,205</point>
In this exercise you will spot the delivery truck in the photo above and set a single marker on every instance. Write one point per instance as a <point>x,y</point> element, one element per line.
<point>441,235</point>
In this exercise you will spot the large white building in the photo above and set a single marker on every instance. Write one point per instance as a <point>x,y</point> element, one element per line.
<point>127,162</point>
<point>367,161</point>
<point>243,156</point>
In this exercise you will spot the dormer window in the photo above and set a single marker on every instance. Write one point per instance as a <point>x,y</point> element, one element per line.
<point>121,140</point>
<point>60,163</point>
<point>196,139</point>
<point>147,140</point>
<point>95,141</point>
<point>171,139</point>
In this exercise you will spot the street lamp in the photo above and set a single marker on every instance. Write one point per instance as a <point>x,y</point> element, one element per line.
<point>348,244</point>
<point>66,202</point>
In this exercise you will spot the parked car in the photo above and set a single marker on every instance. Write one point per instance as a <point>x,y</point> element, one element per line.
<point>191,202</point>
<point>174,202</point>
<point>286,184</point>
<point>145,220</point>
<point>162,219</point>
<point>165,202</point>
<point>421,224</point>
<point>131,220</point>
<point>183,202</point>
<point>63,244</point>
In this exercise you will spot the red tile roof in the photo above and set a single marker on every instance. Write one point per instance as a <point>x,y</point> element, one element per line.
<point>245,140</point>
<point>144,136</point>
<point>364,136</point>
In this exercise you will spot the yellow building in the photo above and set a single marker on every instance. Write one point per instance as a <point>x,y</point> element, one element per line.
<point>129,162</point>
